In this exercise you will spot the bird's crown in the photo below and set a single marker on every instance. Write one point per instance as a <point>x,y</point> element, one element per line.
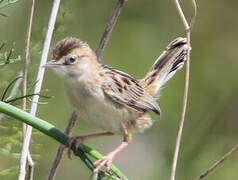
<point>66,46</point>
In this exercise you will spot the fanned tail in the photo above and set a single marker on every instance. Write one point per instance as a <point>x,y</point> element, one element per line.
<point>166,66</point>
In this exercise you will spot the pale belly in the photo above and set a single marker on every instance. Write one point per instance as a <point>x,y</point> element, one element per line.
<point>95,108</point>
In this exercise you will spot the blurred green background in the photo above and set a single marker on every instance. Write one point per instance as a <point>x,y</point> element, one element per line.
<point>143,31</point>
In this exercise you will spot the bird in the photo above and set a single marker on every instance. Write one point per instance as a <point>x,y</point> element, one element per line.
<point>111,99</point>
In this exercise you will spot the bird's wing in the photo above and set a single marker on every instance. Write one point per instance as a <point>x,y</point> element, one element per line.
<point>124,89</point>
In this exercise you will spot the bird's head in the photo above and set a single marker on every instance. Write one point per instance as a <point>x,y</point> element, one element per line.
<point>72,57</point>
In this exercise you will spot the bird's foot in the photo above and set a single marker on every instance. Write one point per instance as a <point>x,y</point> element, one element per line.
<point>80,139</point>
<point>104,161</point>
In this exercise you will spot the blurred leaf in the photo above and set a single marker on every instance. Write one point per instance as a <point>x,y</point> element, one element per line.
<point>7,3</point>
<point>9,146</point>
<point>9,172</point>
<point>6,56</point>
<point>2,128</point>
<point>15,155</point>
<point>4,15</point>
<point>1,46</point>
<point>5,151</point>
<point>12,1</point>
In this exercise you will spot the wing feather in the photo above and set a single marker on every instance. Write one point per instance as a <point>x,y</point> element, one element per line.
<point>124,89</point>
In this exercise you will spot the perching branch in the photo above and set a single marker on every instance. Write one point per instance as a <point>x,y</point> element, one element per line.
<point>101,46</point>
<point>51,131</point>
<point>185,95</point>
<point>61,148</point>
<point>219,162</point>
<point>39,81</point>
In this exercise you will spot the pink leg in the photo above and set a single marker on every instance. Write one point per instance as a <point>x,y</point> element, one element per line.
<point>80,139</point>
<point>107,160</point>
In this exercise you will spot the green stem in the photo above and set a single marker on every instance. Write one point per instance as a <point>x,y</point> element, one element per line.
<point>95,176</point>
<point>26,96</point>
<point>57,134</point>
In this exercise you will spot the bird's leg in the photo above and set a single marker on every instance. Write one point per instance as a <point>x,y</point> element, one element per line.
<point>107,160</point>
<point>79,139</point>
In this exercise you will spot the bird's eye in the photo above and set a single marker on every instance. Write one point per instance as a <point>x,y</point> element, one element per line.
<point>72,59</point>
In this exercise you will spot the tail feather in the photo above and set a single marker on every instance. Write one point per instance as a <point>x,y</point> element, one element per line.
<point>166,65</point>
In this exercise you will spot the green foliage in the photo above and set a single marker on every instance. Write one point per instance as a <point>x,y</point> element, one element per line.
<point>11,132</point>
<point>27,96</point>
<point>65,15</point>
<point>5,3</point>
<point>10,137</point>
<point>6,57</point>
<point>11,144</point>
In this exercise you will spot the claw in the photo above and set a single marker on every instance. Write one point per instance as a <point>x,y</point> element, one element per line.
<point>107,160</point>
<point>104,161</point>
<point>78,140</point>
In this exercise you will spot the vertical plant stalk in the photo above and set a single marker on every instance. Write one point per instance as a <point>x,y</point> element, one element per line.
<point>101,46</point>
<point>60,150</point>
<point>182,117</point>
<point>22,170</point>
<point>109,27</point>
<point>38,85</point>
<point>219,162</point>
<point>186,87</point>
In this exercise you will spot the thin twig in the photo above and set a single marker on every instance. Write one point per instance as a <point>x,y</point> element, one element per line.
<point>182,117</point>
<point>101,46</point>
<point>22,170</point>
<point>39,78</point>
<point>194,3</point>
<point>60,150</point>
<point>185,95</point>
<point>109,27</point>
<point>24,89</point>
<point>30,171</point>
<point>26,61</point>
<point>26,96</point>
<point>219,162</point>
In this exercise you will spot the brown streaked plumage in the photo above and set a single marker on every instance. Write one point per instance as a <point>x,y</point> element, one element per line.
<point>66,46</point>
<point>109,98</point>
<point>165,66</point>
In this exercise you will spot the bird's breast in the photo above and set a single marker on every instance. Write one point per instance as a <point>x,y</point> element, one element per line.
<point>96,109</point>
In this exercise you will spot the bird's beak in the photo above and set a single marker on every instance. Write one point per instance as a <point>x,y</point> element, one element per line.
<point>52,63</point>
